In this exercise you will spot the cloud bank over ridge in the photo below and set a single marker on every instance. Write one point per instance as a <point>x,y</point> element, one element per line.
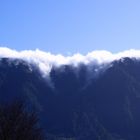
<point>45,60</point>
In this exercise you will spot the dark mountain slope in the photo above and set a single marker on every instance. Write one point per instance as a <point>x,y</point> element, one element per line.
<point>79,105</point>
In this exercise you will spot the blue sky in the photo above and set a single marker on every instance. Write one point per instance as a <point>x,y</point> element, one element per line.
<point>70,26</point>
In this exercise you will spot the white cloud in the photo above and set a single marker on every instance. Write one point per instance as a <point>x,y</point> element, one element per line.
<point>46,60</point>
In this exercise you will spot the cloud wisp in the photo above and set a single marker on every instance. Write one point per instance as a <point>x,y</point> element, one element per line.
<point>45,60</point>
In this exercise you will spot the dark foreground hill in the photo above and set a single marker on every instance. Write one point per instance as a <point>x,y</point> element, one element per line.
<point>78,103</point>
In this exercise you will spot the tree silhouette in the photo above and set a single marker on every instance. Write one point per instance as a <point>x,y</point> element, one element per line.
<point>16,123</point>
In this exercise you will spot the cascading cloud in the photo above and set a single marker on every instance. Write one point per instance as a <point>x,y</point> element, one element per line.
<point>45,60</point>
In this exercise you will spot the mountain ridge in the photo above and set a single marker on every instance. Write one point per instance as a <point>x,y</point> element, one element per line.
<point>77,104</point>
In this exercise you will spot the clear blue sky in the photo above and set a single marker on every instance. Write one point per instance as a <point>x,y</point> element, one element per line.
<point>62,26</point>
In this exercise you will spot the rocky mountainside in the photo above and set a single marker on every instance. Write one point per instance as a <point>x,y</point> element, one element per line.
<point>78,103</point>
